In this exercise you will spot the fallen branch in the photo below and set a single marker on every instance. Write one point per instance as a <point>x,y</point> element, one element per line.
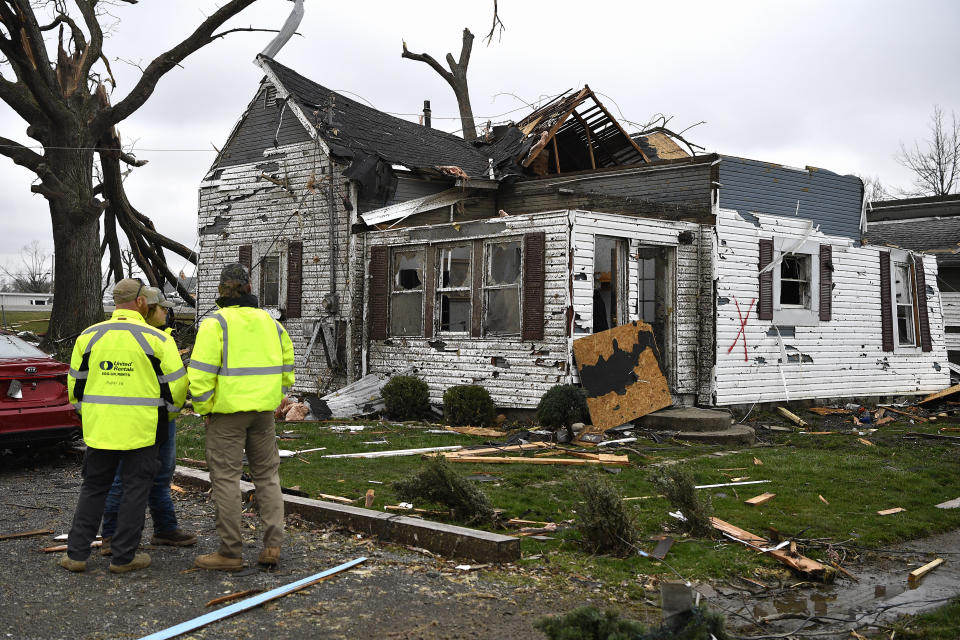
<point>233,596</point>
<point>25,534</point>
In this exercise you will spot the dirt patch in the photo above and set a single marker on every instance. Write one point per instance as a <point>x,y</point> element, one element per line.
<point>396,593</point>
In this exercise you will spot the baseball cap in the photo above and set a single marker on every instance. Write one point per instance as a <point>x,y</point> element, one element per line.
<point>127,290</point>
<point>155,296</point>
<point>234,272</point>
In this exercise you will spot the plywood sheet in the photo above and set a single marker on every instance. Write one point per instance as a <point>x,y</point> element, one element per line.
<point>621,375</point>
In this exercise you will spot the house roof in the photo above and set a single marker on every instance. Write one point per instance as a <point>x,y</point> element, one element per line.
<point>929,224</point>
<point>352,128</point>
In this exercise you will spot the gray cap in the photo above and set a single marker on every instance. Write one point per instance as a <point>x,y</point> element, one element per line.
<point>127,290</point>
<point>155,296</point>
<point>234,273</point>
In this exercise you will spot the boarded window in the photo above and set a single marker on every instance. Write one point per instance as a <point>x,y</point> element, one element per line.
<point>454,294</point>
<point>270,281</point>
<point>795,281</point>
<point>501,288</point>
<point>406,293</point>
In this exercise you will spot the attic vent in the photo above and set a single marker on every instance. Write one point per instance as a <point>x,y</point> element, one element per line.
<point>269,96</point>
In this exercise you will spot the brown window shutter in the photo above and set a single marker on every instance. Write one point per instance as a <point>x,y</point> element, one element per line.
<point>886,305</point>
<point>379,295</point>
<point>429,290</point>
<point>534,245</point>
<point>765,303</point>
<point>294,278</point>
<point>478,268</point>
<point>925,343</point>
<point>245,256</point>
<point>826,282</point>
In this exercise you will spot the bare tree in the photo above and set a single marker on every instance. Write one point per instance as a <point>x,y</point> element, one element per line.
<point>33,274</point>
<point>58,85</point>
<point>936,162</point>
<point>873,189</point>
<point>456,77</point>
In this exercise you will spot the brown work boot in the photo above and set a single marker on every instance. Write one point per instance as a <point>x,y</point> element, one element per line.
<point>140,561</point>
<point>77,566</point>
<point>175,538</point>
<point>219,562</point>
<point>105,549</point>
<point>269,556</point>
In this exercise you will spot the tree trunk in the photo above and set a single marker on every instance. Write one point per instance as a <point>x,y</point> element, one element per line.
<point>466,111</point>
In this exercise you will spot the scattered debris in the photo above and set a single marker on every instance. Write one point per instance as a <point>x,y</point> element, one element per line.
<point>823,500</point>
<point>907,414</point>
<point>233,596</point>
<point>513,447</point>
<point>436,482</point>
<point>662,548</point>
<point>866,442</point>
<point>330,498</point>
<point>62,547</point>
<point>249,603</point>
<point>477,431</point>
<point>286,453</point>
<point>757,461</point>
<point>368,498</point>
<point>729,484</point>
<point>916,574</point>
<point>360,398</point>
<point>828,411</point>
<point>949,504</point>
<point>621,375</point>
<point>932,436</point>
<point>888,512</point>
<point>760,499</point>
<point>792,417</point>
<point>798,562</point>
<point>396,453</point>
<point>949,391</point>
<point>603,459</point>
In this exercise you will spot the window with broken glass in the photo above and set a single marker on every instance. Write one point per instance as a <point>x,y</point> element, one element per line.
<point>795,281</point>
<point>406,293</point>
<point>454,293</point>
<point>270,281</point>
<point>501,288</point>
<point>904,290</point>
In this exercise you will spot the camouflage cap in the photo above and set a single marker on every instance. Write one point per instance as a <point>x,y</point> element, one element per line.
<point>127,290</point>
<point>155,296</point>
<point>234,273</point>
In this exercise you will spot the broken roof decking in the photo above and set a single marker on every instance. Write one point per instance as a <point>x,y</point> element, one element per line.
<point>579,127</point>
<point>931,225</point>
<point>357,128</point>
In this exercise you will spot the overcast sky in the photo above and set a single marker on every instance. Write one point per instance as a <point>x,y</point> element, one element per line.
<point>833,84</point>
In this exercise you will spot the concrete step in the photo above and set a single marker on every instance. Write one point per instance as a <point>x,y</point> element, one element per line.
<point>737,434</point>
<point>686,419</point>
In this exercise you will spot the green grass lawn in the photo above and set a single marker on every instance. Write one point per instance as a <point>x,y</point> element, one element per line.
<point>35,321</point>
<point>856,479</point>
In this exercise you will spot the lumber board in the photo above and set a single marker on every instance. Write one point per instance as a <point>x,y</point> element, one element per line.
<point>512,447</point>
<point>913,416</point>
<point>792,417</point>
<point>233,596</point>
<point>889,512</point>
<point>828,411</point>
<point>25,534</point>
<point>760,499</point>
<point>949,391</point>
<point>330,498</point>
<point>916,574</point>
<point>612,460</point>
<point>798,562</point>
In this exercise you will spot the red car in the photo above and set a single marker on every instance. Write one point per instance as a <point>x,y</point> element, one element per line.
<point>33,395</point>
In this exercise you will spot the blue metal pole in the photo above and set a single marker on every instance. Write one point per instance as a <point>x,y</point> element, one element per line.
<point>249,603</point>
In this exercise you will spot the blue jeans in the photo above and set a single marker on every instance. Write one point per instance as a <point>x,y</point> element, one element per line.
<point>161,506</point>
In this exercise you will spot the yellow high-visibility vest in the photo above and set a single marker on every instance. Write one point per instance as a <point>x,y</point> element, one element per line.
<point>242,361</point>
<point>125,378</point>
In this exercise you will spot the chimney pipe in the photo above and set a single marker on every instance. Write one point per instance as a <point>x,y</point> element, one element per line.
<point>426,113</point>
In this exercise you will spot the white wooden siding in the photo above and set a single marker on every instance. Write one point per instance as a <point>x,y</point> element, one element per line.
<point>844,356</point>
<point>256,211</point>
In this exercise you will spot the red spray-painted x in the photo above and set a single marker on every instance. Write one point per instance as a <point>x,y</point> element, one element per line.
<point>743,327</point>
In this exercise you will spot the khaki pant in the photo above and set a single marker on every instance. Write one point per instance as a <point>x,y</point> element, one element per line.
<point>228,434</point>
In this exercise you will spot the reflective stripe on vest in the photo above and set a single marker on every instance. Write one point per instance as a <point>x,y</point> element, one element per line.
<point>127,401</point>
<point>225,370</point>
<point>170,377</point>
<point>78,375</point>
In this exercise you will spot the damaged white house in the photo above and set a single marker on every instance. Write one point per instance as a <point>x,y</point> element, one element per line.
<point>384,245</point>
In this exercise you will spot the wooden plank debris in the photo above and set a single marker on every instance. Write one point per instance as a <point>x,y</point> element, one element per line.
<point>828,411</point>
<point>844,571</point>
<point>757,461</point>
<point>866,442</point>
<point>233,596</point>
<point>26,534</point>
<point>426,512</point>
<point>729,484</point>
<point>477,431</point>
<point>513,447</point>
<point>888,512</point>
<point>760,499</point>
<point>621,375</point>
<point>249,603</point>
<point>330,498</point>
<point>368,499</point>
<point>62,547</point>
<point>792,417</point>
<point>907,414</point>
<point>823,500</point>
<point>395,453</point>
<point>605,459</point>
<point>798,562</point>
<point>916,574</point>
<point>949,391</point>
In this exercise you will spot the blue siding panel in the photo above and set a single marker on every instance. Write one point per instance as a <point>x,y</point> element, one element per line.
<point>832,201</point>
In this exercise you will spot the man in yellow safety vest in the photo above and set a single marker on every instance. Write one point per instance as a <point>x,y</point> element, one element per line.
<point>240,369</point>
<point>125,378</point>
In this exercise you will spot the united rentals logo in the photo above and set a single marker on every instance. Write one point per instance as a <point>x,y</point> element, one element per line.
<point>116,367</point>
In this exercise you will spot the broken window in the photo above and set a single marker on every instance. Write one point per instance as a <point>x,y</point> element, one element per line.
<point>270,281</point>
<point>609,290</point>
<point>795,281</point>
<point>501,288</point>
<point>454,294</point>
<point>903,288</point>
<point>406,293</point>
